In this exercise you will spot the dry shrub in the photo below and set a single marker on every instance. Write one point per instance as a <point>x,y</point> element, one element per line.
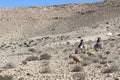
<point>107,52</point>
<point>118,35</point>
<point>21,78</point>
<point>89,60</point>
<point>6,77</point>
<point>86,63</point>
<point>9,66</point>
<point>71,62</point>
<point>24,62</point>
<point>111,69</point>
<point>32,50</point>
<point>77,68</point>
<point>66,50</point>
<point>46,69</point>
<point>101,56</point>
<point>32,58</point>
<point>45,56</point>
<point>103,61</point>
<point>79,76</point>
<point>95,59</point>
<point>45,63</point>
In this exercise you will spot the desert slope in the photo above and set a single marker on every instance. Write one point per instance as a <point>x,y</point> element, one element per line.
<point>35,42</point>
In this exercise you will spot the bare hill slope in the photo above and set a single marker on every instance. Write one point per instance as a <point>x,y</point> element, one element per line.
<point>36,43</point>
<point>61,19</point>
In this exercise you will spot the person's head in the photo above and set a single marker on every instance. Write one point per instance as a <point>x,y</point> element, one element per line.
<point>81,40</point>
<point>99,39</point>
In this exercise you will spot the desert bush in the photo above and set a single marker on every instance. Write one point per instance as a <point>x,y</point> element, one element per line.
<point>9,66</point>
<point>45,69</point>
<point>65,50</point>
<point>6,77</point>
<point>101,56</point>
<point>90,11</point>
<point>103,61</point>
<point>107,52</point>
<point>86,63</point>
<point>118,35</point>
<point>21,78</point>
<point>45,63</point>
<point>32,58</point>
<point>77,68</point>
<point>24,62</point>
<point>87,60</point>
<point>45,56</point>
<point>32,50</point>
<point>111,69</point>
<point>79,76</point>
<point>95,59</point>
<point>71,62</point>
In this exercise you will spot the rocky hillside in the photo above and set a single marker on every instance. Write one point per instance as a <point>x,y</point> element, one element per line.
<point>36,43</point>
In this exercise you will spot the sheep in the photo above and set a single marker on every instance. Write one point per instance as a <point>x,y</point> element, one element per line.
<point>76,58</point>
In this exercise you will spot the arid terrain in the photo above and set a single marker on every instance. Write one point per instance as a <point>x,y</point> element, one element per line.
<point>36,42</point>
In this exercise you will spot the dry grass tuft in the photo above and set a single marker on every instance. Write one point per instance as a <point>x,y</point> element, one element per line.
<point>45,56</point>
<point>32,58</point>
<point>77,68</point>
<point>111,69</point>
<point>79,76</point>
<point>45,63</point>
<point>9,66</point>
<point>32,50</point>
<point>45,69</point>
<point>6,77</point>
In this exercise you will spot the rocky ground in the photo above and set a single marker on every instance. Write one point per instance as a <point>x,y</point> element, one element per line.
<point>35,42</point>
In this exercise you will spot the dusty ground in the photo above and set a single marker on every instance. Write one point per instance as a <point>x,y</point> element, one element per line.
<point>35,42</point>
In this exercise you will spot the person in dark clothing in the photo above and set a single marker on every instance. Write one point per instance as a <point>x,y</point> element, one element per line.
<point>80,48</point>
<point>81,45</point>
<point>98,44</point>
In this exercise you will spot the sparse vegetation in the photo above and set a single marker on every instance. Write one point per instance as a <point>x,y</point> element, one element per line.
<point>6,77</point>
<point>101,56</point>
<point>77,68</point>
<point>89,60</point>
<point>118,35</point>
<point>45,69</point>
<point>45,56</point>
<point>32,58</point>
<point>9,66</point>
<point>95,59</point>
<point>44,42</point>
<point>103,61</point>
<point>79,76</point>
<point>71,62</point>
<point>21,78</point>
<point>107,52</point>
<point>45,63</point>
<point>24,62</point>
<point>86,63</point>
<point>111,69</point>
<point>32,50</point>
